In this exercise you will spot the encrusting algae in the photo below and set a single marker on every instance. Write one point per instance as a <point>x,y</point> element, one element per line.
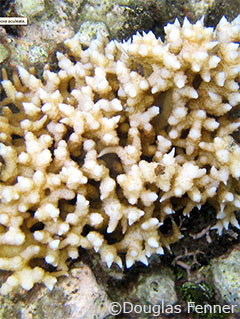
<point>116,141</point>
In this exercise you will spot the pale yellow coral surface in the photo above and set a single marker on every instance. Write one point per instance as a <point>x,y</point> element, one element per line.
<point>122,136</point>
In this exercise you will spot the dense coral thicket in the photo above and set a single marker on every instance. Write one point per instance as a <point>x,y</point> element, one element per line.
<point>101,152</point>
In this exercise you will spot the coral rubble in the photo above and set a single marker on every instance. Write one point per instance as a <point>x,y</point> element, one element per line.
<point>102,151</point>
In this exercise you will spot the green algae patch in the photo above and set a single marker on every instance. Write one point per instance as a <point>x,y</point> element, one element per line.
<point>4,53</point>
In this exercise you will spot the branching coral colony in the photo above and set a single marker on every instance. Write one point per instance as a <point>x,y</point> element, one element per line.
<point>115,142</point>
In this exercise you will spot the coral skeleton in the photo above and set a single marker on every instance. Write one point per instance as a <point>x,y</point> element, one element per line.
<point>112,144</point>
